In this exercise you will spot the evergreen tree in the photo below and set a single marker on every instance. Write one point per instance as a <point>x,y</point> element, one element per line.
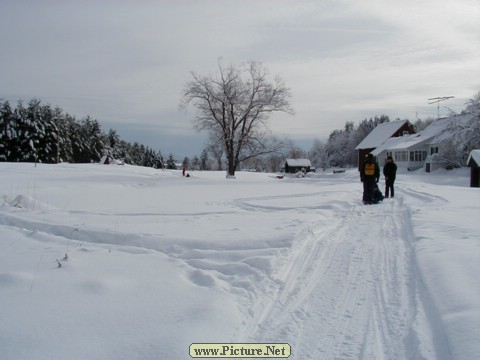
<point>8,131</point>
<point>76,139</point>
<point>63,145</point>
<point>112,142</point>
<point>46,135</point>
<point>159,161</point>
<point>23,146</point>
<point>171,162</point>
<point>92,135</point>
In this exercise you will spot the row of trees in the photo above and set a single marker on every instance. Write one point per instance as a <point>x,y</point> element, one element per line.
<point>40,133</point>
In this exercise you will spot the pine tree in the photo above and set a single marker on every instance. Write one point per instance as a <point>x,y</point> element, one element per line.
<point>171,162</point>
<point>7,126</point>
<point>64,147</point>
<point>92,134</point>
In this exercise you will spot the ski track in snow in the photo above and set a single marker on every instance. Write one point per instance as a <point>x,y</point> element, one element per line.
<point>352,298</point>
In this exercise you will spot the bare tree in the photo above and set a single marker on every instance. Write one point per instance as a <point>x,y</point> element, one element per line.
<point>293,150</point>
<point>215,148</point>
<point>234,107</point>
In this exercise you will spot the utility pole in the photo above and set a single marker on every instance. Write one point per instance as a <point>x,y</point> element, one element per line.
<point>437,101</point>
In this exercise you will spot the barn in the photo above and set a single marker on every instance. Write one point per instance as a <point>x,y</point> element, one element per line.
<point>473,162</point>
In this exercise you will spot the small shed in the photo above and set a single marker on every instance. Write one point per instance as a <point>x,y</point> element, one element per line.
<point>293,166</point>
<point>473,162</point>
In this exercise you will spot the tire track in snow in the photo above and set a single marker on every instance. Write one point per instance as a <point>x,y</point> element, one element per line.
<point>348,288</point>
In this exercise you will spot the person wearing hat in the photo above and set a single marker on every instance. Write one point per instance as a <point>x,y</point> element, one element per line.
<point>369,175</point>
<point>390,172</point>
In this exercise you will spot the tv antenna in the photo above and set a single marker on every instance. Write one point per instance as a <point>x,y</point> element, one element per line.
<point>437,101</point>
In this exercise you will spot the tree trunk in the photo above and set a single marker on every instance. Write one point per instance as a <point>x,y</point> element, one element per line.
<point>231,164</point>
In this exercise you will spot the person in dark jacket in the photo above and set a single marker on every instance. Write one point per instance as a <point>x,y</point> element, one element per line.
<point>390,172</point>
<point>369,175</point>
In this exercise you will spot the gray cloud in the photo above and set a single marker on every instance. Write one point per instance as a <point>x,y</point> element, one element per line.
<point>125,63</point>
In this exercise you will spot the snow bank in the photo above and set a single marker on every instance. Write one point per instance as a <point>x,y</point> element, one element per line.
<point>157,261</point>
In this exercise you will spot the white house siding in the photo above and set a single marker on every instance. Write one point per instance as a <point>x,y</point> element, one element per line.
<point>408,151</point>
<point>411,159</point>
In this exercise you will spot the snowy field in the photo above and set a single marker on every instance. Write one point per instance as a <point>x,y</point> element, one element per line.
<point>156,261</point>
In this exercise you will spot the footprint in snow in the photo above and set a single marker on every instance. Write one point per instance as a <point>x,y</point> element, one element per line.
<point>201,278</point>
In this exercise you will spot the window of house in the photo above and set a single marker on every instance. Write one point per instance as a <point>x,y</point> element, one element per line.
<point>418,155</point>
<point>401,156</point>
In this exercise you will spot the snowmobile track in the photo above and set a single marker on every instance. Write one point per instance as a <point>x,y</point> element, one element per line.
<point>352,298</point>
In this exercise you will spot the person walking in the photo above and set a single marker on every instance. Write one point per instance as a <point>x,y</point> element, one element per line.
<point>369,175</point>
<point>390,172</point>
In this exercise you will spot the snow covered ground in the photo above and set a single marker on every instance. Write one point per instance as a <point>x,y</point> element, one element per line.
<point>156,262</point>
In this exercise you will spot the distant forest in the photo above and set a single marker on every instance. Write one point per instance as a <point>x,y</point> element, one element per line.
<point>40,133</point>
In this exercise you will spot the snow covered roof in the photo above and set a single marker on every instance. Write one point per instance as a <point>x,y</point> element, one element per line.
<point>438,129</point>
<point>402,142</point>
<point>475,156</point>
<point>299,162</point>
<point>380,134</point>
<point>435,133</point>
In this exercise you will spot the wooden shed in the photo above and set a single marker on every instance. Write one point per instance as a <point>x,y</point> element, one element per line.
<point>293,166</point>
<point>473,162</point>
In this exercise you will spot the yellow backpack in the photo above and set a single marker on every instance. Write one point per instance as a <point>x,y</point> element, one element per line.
<point>369,169</point>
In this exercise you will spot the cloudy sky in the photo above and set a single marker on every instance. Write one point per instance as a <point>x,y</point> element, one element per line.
<point>125,63</point>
